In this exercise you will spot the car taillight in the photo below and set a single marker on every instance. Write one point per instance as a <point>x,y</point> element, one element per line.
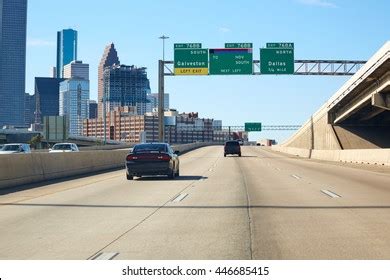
<point>131,157</point>
<point>164,157</point>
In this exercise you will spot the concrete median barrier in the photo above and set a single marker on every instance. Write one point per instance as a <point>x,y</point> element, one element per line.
<point>20,169</point>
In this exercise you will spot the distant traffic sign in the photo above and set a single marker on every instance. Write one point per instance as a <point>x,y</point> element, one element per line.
<point>231,61</point>
<point>252,127</point>
<point>281,45</point>
<point>191,59</point>
<point>277,58</point>
<point>238,45</point>
<point>188,46</point>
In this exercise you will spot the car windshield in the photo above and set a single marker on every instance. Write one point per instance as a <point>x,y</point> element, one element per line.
<point>150,148</point>
<point>11,148</point>
<point>62,147</point>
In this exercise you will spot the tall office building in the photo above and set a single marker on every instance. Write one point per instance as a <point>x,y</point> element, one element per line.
<point>46,97</point>
<point>126,86</point>
<point>66,49</point>
<point>76,69</point>
<point>110,57</point>
<point>74,97</point>
<point>13,23</point>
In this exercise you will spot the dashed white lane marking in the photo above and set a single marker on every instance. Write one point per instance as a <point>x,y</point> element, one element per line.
<point>180,197</point>
<point>331,194</point>
<point>277,168</point>
<point>296,176</point>
<point>211,170</point>
<point>105,256</point>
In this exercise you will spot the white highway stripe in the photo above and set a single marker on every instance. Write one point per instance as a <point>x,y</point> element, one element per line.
<point>211,170</point>
<point>296,176</point>
<point>105,256</point>
<point>180,197</point>
<point>331,194</point>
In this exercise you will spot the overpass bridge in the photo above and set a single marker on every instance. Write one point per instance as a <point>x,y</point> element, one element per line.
<point>357,116</point>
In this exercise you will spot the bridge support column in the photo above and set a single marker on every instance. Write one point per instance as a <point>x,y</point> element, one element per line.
<point>381,100</point>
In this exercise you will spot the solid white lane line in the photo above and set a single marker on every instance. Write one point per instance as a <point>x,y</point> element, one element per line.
<point>296,176</point>
<point>105,256</point>
<point>331,194</point>
<point>180,197</point>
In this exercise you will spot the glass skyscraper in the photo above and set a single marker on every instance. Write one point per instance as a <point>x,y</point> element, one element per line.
<point>13,22</point>
<point>66,49</point>
<point>74,103</point>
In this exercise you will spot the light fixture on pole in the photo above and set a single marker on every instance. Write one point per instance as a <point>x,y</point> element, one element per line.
<point>163,38</point>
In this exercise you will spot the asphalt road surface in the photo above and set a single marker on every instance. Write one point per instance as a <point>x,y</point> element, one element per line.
<point>263,205</point>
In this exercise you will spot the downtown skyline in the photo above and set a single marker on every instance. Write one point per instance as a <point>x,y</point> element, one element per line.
<point>232,99</point>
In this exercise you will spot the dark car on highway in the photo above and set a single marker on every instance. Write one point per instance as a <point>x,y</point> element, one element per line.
<point>152,159</point>
<point>232,148</point>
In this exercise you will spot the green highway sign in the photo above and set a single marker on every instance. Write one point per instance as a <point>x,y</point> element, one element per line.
<point>252,127</point>
<point>191,61</point>
<point>231,61</point>
<point>188,46</point>
<point>238,45</point>
<point>277,58</point>
<point>280,45</point>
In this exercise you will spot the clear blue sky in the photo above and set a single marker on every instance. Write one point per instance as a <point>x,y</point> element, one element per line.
<point>320,29</point>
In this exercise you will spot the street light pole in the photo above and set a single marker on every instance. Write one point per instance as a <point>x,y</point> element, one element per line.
<point>163,38</point>
<point>161,64</point>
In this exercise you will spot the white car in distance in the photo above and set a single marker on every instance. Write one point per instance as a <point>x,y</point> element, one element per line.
<point>64,148</point>
<point>19,148</point>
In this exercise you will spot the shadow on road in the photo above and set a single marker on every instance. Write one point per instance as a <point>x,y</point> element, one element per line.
<point>207,207</point>
<point>180,178</point>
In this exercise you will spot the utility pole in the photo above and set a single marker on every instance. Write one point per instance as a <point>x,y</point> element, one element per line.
<point>161,64</point>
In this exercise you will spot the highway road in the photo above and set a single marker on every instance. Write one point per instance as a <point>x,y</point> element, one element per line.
<point>264,205</point>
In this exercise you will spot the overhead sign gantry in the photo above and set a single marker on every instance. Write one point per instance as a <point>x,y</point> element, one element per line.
<point>237,59</point>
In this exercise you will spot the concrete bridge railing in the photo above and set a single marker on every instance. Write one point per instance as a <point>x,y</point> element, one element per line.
<point>360,156</point>
<point>20,169</point>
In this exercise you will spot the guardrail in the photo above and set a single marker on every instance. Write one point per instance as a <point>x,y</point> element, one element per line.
<point>20,169</point>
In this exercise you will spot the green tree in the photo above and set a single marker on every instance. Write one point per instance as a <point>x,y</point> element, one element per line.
<point>36,141</point>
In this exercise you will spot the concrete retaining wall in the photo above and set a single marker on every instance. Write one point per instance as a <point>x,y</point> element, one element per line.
<point>23,169</point>
<point>304,153</point>
<point>362,156</point>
